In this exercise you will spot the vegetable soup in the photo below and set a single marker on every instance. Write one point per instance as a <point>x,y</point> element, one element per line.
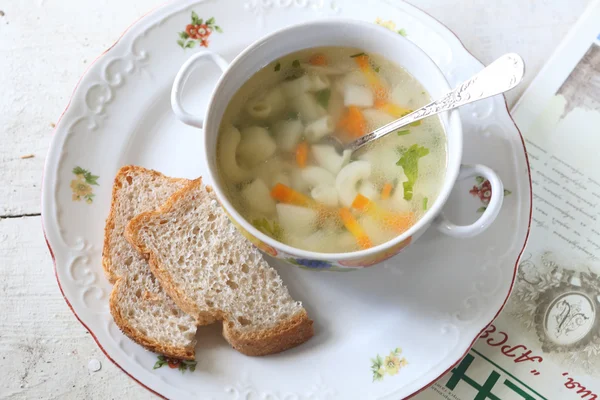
<point>283,177</point>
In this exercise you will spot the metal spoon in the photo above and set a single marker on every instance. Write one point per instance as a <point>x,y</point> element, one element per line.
<point>503,74</point>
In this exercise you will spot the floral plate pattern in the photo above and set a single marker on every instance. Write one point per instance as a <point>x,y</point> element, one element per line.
<point>197,31</point>
<point>434,327</point>
<point>81,186</point>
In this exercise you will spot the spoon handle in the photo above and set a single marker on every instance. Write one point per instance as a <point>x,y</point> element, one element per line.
<point>503,74</point>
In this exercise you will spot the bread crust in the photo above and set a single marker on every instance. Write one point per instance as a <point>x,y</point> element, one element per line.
<point>120,282</point>
<point>147,342</point>
<point>290,333</point>
<point>296,330</point>
<point>109,227</point>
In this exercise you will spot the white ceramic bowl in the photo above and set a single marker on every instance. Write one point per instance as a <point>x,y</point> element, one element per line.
<point>372,39</point>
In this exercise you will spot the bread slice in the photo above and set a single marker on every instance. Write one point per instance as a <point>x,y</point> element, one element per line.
<point>211,270</point>
<point>140,308</point>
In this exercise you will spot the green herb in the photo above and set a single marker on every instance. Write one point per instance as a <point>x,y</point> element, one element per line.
<point>323,97</point>
<point>277,66</point>
<point>423,92</point>
<point>402,32</point>
<point>410,164</point>
<point>376,69</point>
<point>293,115</point>
<point>425,200</point>
<point>404,132</point>
<point>357,55</point>
<point>273,230</point>
<point>296,63</point>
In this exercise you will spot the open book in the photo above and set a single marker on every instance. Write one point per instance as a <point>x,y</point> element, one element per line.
<point>546,342</point>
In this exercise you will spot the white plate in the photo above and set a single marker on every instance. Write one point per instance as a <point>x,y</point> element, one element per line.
<point>429,304</point>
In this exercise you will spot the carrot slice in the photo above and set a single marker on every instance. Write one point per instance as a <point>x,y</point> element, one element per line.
<point>362,203</point>
<point>362,61</point>
<point>355,229</point>
<point>286,194</point>
<point>380,103</point>
<point>353,122</point>
<point>318,59</point>
<point>365,66</point>
<point>386,191</point>
<point>394,110</point>
<point>302,154</point>
<point>395,221</point>
<point>398,222</point>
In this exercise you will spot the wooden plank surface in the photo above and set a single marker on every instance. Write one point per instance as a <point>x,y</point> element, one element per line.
<point>45,352</point>
<point>44,48</point>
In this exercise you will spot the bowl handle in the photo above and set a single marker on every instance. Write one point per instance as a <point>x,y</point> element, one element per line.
<point>182,77</point>
<point>489,215</point>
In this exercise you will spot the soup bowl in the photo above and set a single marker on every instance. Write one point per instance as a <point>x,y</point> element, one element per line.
<point>372,39</point>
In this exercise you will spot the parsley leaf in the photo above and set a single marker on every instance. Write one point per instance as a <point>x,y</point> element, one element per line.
<point>323,97</point>
<point>404,132</point>
<point>357,55</point>
<point>277,66</point>
<point>402,32</point>
<point>296,63</point>
<point>410,164</point>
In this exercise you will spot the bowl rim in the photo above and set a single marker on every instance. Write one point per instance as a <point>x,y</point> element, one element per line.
<point>452,171</point>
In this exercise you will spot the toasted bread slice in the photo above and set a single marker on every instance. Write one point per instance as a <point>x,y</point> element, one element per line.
<point>140,308</point>
<point>211,270</point>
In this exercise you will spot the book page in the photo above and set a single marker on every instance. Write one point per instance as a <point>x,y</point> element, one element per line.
<point>546,342</point>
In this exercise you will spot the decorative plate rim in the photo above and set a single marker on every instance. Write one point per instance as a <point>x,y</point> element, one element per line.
<point>168,3</point>
<point>516,267</point>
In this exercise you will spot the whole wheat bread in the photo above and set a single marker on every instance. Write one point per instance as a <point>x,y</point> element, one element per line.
<point>211,271</point>
<point>140,308</point>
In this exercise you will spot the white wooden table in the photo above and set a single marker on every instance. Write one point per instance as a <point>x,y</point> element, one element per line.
<point>45,45</point>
